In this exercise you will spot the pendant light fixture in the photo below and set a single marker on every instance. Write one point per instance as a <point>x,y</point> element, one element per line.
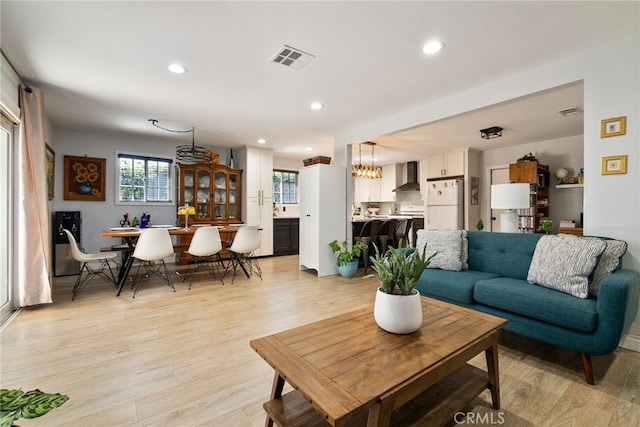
<point>187,154</point>
<point>371,171</point>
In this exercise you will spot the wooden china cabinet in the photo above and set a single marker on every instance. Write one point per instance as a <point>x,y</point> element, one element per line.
<point>215,191</point>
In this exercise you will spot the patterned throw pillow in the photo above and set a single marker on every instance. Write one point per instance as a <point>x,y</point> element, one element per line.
<point>609,262</point>
<point>465,251</point>
<point>448,244</point>
<point>564,262</point>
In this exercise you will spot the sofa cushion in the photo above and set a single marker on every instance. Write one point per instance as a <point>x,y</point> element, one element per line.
<point>505,254</point>
<point>537,302</point>
<point>564,262</point>
<point>447,244</point>
<point>451,286</point>
<point>610,261</point>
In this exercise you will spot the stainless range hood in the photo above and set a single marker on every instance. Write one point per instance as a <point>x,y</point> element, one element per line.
<point>412,183</point>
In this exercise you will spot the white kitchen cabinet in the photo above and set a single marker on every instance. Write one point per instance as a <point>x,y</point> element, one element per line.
<point>391,174</point>
<point>446,165</point>
<point>366,190</point>
<point>322,216</point>
<point>258,193</point>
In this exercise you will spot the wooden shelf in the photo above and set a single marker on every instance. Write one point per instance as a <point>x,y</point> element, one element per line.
<point>569,185</point>
<point>435,406</point>
<point>570,230</point>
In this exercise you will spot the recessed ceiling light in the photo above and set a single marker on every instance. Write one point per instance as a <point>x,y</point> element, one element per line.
<point>309,148</point>
<point>433,46</point>
<point>262,141</point>
<point>177,68</point>
<point>316,106</point>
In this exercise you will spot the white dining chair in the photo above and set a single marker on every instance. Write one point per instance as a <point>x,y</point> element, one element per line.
<point>245,242</point>
<point>92,265</point>
<point>153,246</point>
<point>205,247</point>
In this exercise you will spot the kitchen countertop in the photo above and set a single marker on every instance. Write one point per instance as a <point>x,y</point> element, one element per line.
<point>362,218</point>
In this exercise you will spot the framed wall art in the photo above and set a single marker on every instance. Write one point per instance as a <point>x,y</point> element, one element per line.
<point>84,178</point>
<point>615,126</point>
<point>614,165</point>
<point>50,170</point>
<point>475,189</point>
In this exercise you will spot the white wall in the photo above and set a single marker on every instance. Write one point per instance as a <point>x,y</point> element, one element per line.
<point>611,86</point>
<point>96,216</point>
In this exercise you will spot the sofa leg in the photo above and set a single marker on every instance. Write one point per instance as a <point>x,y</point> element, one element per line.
<point>587,367</point>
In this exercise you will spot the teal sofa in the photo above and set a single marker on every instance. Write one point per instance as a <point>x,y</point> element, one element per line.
<point>496,283</point>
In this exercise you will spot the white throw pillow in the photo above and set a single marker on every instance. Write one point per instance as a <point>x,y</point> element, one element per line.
<point>448,245</point>
<point>564,262</point>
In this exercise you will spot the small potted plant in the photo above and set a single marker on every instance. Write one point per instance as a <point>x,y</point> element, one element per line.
<point>347,260</point>
<point>397,307</point>
<point>546,225</point>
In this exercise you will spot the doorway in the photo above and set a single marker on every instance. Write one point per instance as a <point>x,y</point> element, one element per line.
<point>499,175</point>
<point>6,294</point>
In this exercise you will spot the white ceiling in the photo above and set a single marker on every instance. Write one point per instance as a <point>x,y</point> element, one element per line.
<point>103,67</point>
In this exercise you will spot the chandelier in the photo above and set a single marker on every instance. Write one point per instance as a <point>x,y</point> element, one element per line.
<point>371,171</point>
<point>187,154</point>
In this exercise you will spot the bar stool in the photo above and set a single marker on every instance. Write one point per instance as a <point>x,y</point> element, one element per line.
<point>385,234</point>
<point>401,232</point>
<point>365,235</point>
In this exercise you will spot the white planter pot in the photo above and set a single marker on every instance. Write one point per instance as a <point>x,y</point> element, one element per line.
<point>398,314</point>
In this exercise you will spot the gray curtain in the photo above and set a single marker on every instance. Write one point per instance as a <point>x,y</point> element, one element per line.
<point>34,253</point>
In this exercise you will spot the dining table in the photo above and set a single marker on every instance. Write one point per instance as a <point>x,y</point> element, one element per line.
<point>129,236</point>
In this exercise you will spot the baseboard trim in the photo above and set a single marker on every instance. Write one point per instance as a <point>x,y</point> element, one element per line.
<point>631,342</point>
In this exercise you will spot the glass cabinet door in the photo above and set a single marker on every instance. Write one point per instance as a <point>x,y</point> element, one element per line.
<point>187,187</point>
<point>204,194</point>
<point>233,196</point>
<point>220,196</point>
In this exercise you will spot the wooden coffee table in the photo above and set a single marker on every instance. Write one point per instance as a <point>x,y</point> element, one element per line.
<point>346,371</point>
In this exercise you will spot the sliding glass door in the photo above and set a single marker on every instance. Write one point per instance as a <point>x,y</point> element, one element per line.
<point>6,139</point>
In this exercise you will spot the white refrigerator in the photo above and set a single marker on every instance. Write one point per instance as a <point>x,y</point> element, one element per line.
<point>445,205</point>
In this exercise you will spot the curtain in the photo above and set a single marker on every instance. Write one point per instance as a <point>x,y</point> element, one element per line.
<point>34,252</point>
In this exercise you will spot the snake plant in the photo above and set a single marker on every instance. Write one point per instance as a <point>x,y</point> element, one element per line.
<point>399,269</point>
<point>16,404</point>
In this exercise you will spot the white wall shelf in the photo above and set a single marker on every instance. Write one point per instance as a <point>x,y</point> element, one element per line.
<point>569,185</point>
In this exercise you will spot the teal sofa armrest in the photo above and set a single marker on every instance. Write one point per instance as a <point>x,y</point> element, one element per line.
<point>618,299</point>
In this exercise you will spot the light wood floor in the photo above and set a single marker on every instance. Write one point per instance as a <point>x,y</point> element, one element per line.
<point>183,358</point>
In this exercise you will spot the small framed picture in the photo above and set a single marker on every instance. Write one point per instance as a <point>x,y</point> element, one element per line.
<point>615,126</point>
<point>614,165</point>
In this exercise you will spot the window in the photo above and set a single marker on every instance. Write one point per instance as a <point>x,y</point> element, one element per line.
<point>285,187</point>
<point>144,179</point>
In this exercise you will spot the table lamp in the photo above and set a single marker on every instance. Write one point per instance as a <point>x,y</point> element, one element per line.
<point>509,197</point>
<point>186,210</point>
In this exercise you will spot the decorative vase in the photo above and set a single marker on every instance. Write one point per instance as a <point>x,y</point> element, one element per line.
<point>349,269</point>
<point>398,314</point>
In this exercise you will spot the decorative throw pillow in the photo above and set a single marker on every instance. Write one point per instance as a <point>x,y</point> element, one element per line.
<point>564,262</point>
<point>609,262</point>
<point>465,251</point>
<point>448,245</point>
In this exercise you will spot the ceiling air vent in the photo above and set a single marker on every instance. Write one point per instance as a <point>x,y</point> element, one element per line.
<point>571,111</point>
<point>291,57</point>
